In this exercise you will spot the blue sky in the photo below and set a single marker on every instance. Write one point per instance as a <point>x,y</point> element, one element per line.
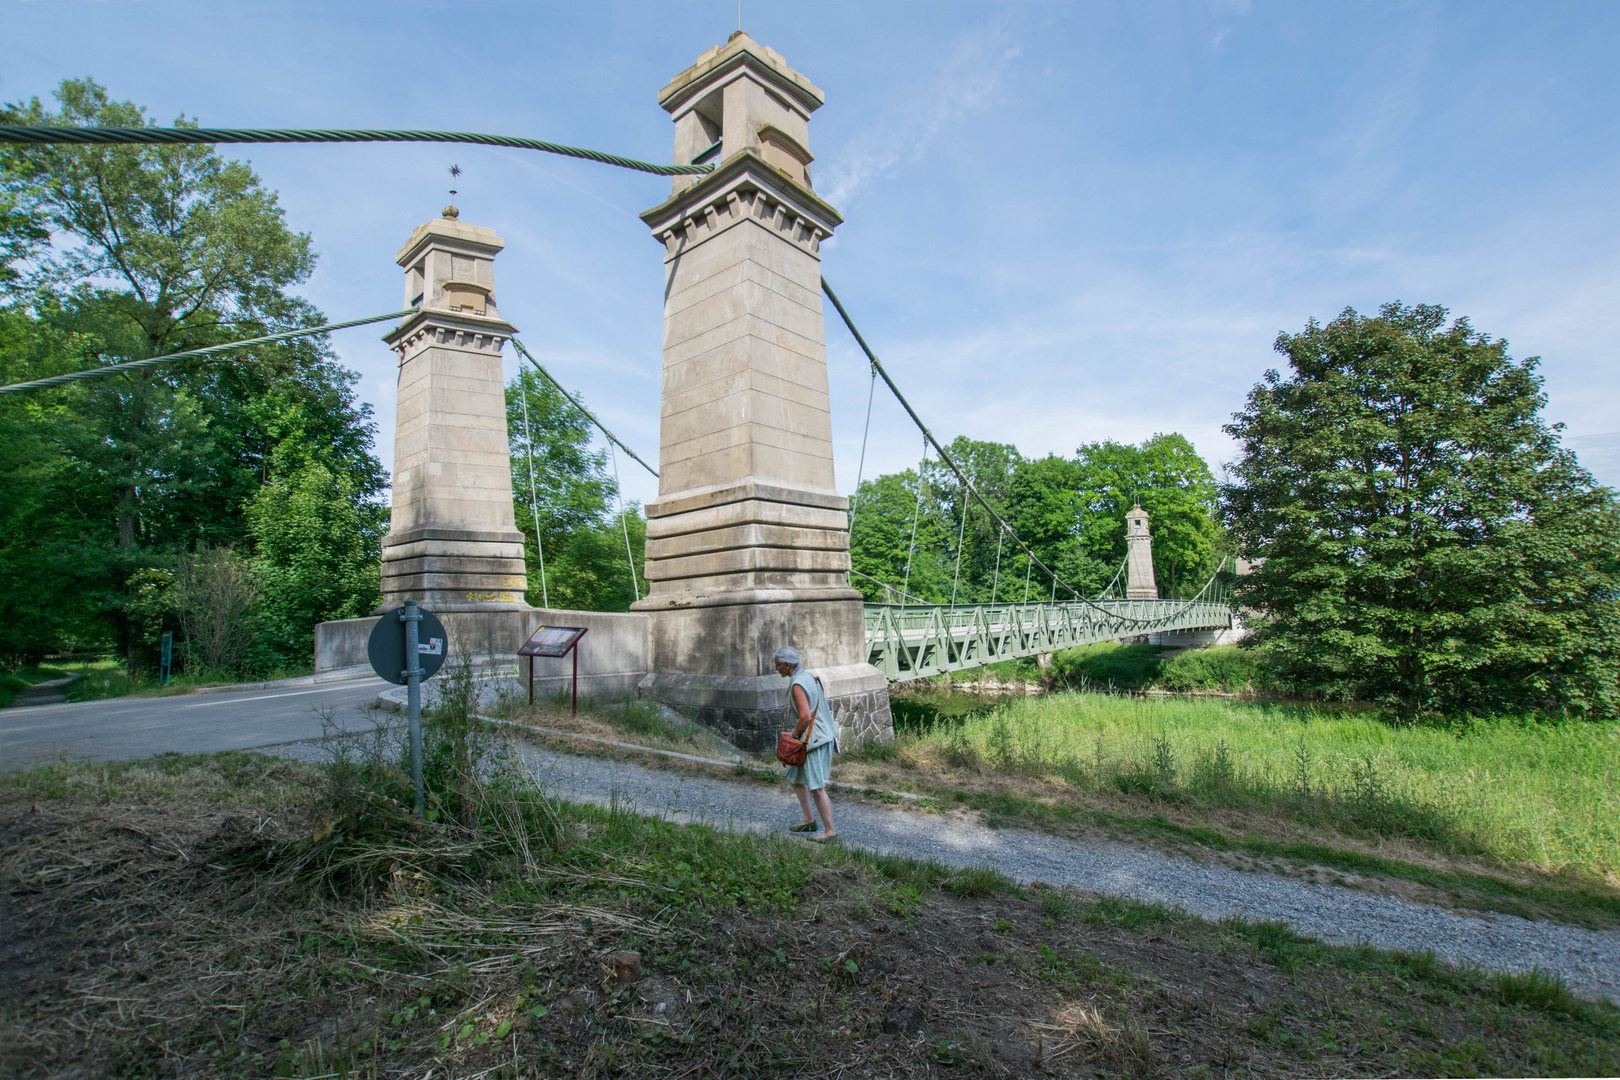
<point>1065,222</point>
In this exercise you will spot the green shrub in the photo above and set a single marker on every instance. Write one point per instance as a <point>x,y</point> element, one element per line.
<point>1222,667</point>
<point>924,709</point>
<point>1107,665</point>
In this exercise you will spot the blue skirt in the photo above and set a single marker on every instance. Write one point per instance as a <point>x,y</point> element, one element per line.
<point>816,769</point>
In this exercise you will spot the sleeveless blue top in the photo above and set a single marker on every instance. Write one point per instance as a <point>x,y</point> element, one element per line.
<point>825,729</point>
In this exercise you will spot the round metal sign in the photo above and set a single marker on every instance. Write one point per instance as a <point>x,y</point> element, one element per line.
<point>386,648</point>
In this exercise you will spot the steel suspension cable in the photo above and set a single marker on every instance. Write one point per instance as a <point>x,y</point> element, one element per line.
<point>888,588</point>
<point>534,504</point>
<point>101,136</point>
<point>860,470</point>
<point>945,456</point>
<point>518,345</point>
<point>137,365</point>
<point>624,525</point>
<point>915,514</point>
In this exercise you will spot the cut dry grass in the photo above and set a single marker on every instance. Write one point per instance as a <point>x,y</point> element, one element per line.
<point>170,920</point>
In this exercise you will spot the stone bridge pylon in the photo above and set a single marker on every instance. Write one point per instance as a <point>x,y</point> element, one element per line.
<point>747,542</point>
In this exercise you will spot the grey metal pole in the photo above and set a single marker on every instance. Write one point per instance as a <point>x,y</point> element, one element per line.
<point>413,681</point>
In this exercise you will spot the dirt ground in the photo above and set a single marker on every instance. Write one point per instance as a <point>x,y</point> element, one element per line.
<point>160,935</point>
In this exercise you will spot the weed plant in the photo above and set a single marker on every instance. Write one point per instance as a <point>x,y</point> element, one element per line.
<point>1523,792</point>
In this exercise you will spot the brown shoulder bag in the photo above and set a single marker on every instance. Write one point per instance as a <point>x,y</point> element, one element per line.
<point>791,751</point>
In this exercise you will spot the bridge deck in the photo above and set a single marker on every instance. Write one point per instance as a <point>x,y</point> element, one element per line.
<point>914,641</point>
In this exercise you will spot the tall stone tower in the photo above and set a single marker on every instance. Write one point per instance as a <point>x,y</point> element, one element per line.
<point>452,543</point>
<point>1139,584</point>
<point>747,542</point>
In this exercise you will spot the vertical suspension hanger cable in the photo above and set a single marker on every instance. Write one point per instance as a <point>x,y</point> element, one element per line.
<point>960,533</point>
<point>534,506</point>
<point>915,514</point>
<point>624,526</point>
<point>1029,564</point>
<point>995,582</point>
<point>860,470</point>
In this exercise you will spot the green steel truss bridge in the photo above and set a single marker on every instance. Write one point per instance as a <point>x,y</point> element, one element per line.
<point>914,641</point>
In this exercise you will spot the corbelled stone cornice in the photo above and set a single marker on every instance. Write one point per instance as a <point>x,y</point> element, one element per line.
<point>745,188</point>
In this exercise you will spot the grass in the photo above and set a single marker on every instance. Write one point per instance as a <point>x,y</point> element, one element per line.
<point>14,682</point>
<point>1115,666</point>
<point>640,723</point>
<point>1516,816</point>
<point>359,943</point>
<point>109,678</point>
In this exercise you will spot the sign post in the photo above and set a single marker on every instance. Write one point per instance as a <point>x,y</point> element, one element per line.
<point>554,641</point>
<point>412,674</point>
<point>412,635</point>
<point>168,655</point>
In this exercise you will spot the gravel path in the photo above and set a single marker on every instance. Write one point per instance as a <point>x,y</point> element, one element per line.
<point>1588,959</point>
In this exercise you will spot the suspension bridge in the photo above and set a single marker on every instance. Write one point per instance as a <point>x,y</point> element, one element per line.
<point>747,543</point>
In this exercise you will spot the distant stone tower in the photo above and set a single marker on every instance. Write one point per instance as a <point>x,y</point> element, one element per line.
<point>747,542</point>
<point>1139,584</point>
<point>452,543</point>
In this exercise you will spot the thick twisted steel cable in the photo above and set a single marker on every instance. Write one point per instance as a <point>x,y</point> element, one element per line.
<point>101,136</point>
<point>946,458</point>
<point>136,365</point>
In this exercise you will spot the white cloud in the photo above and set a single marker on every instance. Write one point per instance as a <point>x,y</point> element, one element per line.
<point>969,81</point>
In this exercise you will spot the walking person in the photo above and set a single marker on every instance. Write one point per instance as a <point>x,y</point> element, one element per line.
<point>814,724</point>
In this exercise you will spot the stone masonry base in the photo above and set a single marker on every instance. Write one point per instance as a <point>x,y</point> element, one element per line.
<point>751,710</point>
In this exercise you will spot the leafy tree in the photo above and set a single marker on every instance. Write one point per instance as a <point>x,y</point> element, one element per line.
<point>316,553</point>
<point>1174,486</point>
<point>153,250</point>
<point>1045,499</point>
<point>574,515</point>
<point>1421,536</point>
<point>881,545</point>
<point>990,467</point>
<point>590,572</point>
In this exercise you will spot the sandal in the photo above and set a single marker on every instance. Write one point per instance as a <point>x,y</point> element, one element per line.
<point>808,826</point>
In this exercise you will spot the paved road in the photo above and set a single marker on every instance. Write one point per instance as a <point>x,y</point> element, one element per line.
<point>192,724</point>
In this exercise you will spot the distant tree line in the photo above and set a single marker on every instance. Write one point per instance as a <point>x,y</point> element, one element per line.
<point>1419,536</point>
<point>1070,511</point>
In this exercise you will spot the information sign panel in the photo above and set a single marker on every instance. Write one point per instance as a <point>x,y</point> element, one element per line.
<point>552,641</point>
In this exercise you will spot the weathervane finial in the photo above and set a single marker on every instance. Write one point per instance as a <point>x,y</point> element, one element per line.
<point>451,211</point>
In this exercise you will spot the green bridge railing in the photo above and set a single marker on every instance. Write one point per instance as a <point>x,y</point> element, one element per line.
<point>914,641</point>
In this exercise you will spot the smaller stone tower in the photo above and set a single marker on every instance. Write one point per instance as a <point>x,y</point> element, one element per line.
<point>1139,584</point>
<point>452,544</point>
